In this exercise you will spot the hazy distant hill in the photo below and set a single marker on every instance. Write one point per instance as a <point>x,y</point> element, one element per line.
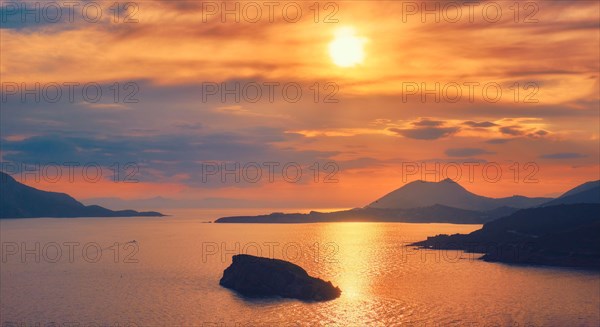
<point>442,202</point>
<point>585,193</point>
<point>562,235</point>
<point>436,213</point>
<point>448,193</point>
<point>21,201</point>
<point>427,202</point>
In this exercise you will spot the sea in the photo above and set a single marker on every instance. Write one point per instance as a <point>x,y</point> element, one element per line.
<point>165,271</point>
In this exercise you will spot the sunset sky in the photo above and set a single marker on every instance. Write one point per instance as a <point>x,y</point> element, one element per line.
<point>368,119</point>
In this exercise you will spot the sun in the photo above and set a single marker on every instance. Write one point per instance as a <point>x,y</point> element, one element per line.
<point>347,49</point>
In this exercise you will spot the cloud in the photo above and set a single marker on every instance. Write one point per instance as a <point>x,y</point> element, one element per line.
<point>498,141</point>
<point>427,133</point>
<point>425,129</point>
<point>56,17</point>
<point>173,127</point>
<point>111,106</point>
<point>465,152</point>
<point>524,129</point>
<point>527,72</point>
<point>483,124</point>
<point>15,15</point>
<point>512,130</point>
<point>159,157</point>
<point>426,122</point>
<point>563,155</point>
<point>189,126</point>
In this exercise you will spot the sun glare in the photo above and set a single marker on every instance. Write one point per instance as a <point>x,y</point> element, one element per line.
<point>346,50</point>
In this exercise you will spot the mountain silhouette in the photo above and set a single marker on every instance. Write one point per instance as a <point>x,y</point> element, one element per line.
<point>429,202</point>
<point>585,193</point>
<point>432,214</point>
<point>18,200</point>
<point>448,193</point>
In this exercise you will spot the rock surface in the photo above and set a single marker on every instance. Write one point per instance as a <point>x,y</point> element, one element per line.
<point>262,277</point>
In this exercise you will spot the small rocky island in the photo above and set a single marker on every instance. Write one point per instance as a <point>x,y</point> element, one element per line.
<point>263,277</point>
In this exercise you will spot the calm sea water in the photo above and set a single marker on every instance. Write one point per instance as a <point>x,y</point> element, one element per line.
<point>88,274</point>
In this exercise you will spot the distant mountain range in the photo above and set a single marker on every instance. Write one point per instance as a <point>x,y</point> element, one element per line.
<point>425,202</point>
<point>18,200</point>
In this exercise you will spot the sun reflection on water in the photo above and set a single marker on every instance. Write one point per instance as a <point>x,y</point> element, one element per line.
<point>352,258</point>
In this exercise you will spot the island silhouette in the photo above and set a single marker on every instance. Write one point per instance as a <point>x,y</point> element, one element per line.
<point>21,201</point>
<point>430,202</point>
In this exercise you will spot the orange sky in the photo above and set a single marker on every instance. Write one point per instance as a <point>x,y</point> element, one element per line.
<point>377,124</point>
